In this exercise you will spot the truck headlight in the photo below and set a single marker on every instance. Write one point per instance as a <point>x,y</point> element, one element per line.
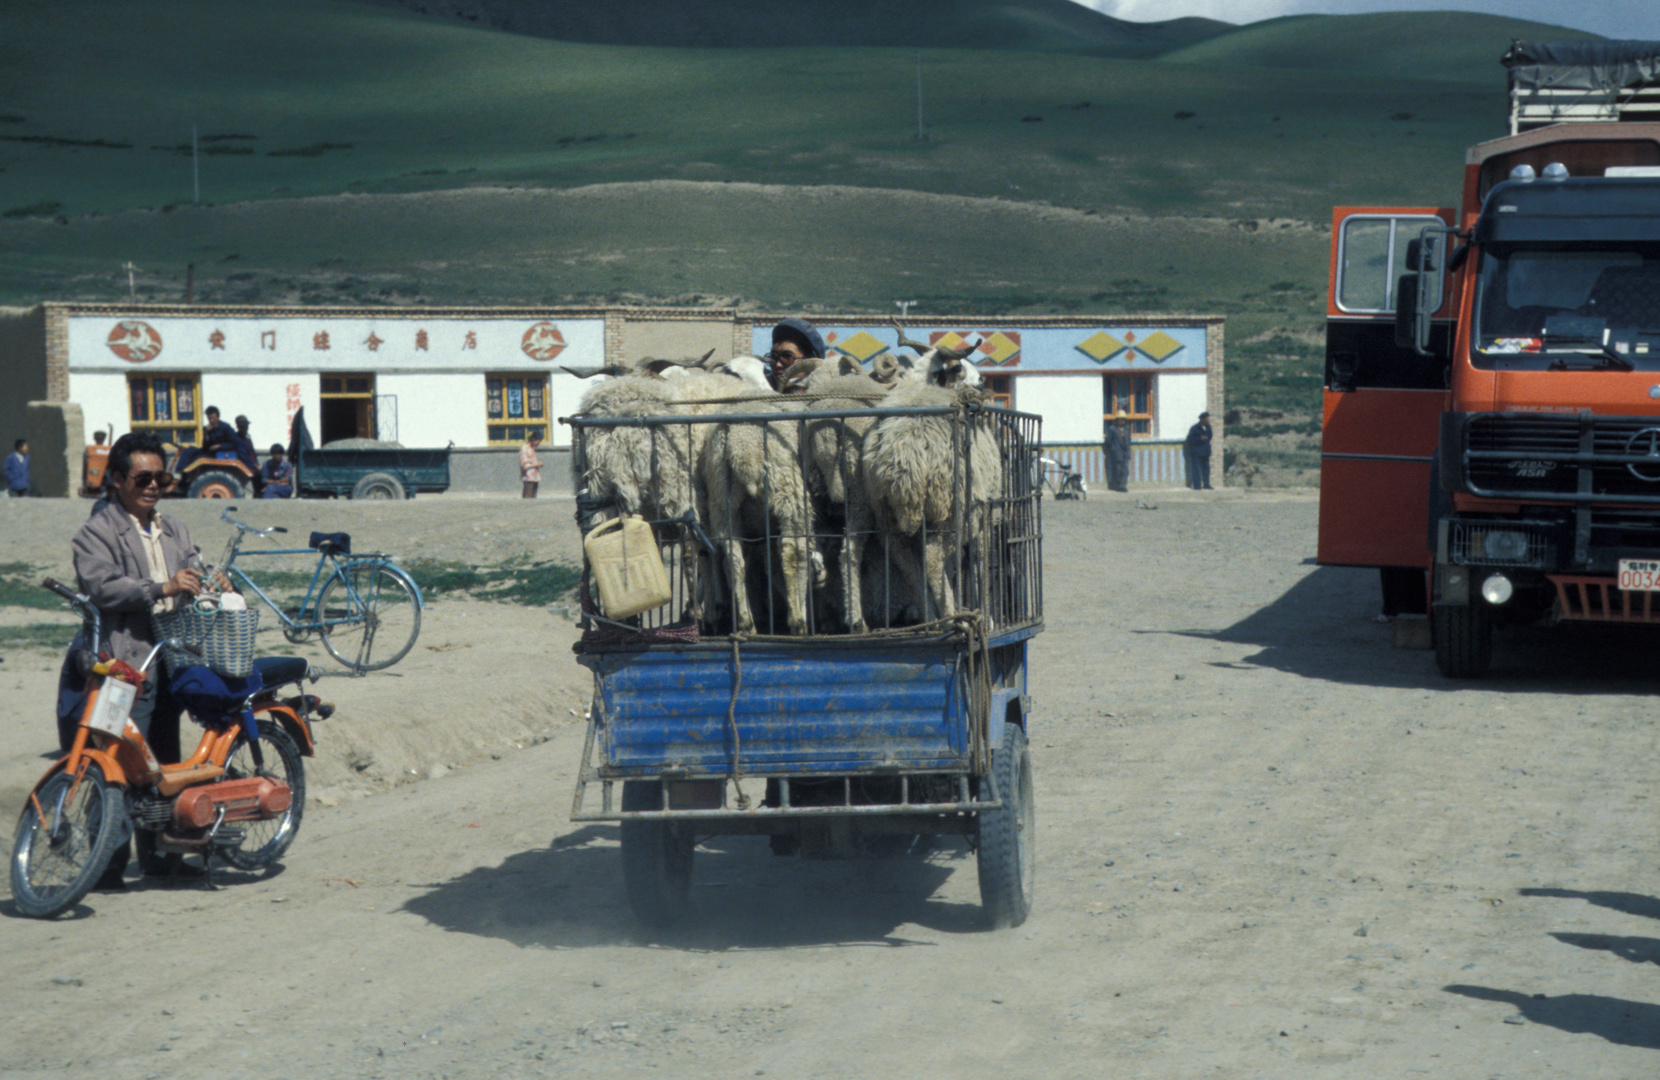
<point>1504,545</point>
<point>1496,589</point>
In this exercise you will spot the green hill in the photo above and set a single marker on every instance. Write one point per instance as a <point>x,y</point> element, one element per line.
<point>316,97</point>
<point>1434,45</point>
<point>1035,25</point>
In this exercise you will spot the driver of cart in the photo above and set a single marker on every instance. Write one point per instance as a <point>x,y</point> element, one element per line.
<point>792,340</point>
<point>133,562</point>
<point>217,436</point>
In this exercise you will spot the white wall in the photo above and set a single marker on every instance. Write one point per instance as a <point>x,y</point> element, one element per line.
<point>434,409</point>
<point>103,401</point>
<point>1180,400</point>
<point>263,399</point>
<point>564,395</point>
<point>1069,404</point>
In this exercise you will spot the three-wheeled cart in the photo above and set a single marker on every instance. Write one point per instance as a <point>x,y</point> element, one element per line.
<point>834,744</point>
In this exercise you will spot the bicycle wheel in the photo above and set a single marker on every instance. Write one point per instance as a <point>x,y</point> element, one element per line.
<point>371,615</point>
<point>265,841</point>
<point>62,848</point>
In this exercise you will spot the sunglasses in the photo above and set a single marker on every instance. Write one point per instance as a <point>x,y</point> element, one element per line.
<point>142,480</point>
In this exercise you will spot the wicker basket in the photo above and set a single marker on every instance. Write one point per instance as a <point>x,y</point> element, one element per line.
<point>226,639</point>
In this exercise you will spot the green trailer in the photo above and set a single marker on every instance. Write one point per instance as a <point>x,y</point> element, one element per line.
<point>375,472</point>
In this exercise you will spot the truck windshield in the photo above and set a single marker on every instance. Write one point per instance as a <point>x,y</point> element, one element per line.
<point>1569,309</point>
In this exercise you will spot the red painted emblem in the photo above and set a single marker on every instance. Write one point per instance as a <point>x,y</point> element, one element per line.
<point>542,341</point>
<point>134,341</point>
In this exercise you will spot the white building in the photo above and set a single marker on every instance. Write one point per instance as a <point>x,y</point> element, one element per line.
<point>483,378</point>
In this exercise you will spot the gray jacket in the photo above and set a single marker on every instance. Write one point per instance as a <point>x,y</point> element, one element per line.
<point>113,570</point>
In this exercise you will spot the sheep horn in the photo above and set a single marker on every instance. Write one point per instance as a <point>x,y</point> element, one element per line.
<point>906,343</point>
<point>590,372</point>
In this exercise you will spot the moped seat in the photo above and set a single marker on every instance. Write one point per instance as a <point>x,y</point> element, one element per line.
<point>274,671</point>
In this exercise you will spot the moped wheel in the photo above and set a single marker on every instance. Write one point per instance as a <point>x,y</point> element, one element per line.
<point>64,846</point>
<point>265,841</point>
<point>1007,854</point>
<point>657,860</point>
<point>374,624</point>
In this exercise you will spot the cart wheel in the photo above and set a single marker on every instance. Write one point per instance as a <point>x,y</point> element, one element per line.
<point>657,860</point>
<point>1007,835</point>
<point>378,485</point>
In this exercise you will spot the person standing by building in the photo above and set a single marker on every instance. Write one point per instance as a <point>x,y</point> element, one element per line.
<point>530,466</point>
<point>17,469</point>
<point>1197,451</point>
<point>1116,447</point>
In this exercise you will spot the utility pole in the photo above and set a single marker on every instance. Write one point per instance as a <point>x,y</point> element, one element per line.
<point>904,307</point>
<point>921,136</point>
<point>130,268</point>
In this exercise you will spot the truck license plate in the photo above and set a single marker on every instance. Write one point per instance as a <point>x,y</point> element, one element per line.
<point>1640,575</point>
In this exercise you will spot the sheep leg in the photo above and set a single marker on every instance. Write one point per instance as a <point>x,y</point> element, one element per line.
<point>853,557</point>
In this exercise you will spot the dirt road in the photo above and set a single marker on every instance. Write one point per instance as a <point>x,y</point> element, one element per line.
<point>1270,845</point>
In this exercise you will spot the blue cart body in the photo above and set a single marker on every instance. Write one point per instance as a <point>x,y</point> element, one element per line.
<point>868,706</point>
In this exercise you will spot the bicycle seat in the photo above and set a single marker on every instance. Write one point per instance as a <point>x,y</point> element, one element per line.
<point>275,670</point>
<point>332,543</point>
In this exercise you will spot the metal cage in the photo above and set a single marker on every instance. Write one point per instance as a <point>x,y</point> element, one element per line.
<point>989,544</point>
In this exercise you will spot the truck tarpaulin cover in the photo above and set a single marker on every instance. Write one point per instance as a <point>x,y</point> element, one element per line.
<point>1582,65</point>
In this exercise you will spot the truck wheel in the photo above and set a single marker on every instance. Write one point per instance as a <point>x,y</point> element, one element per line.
<point>1463,640</point>
<point>1007,836</point>
<point>657,860</point>
<point>378,485</point>
<point>216,485</point>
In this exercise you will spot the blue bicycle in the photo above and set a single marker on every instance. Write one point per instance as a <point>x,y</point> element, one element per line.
<point>365,608</point>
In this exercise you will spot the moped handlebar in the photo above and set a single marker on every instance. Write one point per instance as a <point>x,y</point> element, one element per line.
<point>61,589</point>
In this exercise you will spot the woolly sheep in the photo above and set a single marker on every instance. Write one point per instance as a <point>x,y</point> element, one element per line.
<point>915,481</point>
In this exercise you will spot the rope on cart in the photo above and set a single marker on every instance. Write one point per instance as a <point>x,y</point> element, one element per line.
<point>732,723</point>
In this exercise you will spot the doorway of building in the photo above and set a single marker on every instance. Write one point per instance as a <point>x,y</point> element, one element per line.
<point>346,407</point>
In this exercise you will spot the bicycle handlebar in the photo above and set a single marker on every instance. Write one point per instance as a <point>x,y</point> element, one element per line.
<point>225,516</point>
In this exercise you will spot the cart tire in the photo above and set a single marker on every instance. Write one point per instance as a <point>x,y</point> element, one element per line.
<point>1007,835</point>
<point>378,485</point>
<point>657,860</point>
<point>1463,636</point>
<point>216,485</point>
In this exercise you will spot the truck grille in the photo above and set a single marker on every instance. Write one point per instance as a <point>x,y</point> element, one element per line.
<point>1607,458</point>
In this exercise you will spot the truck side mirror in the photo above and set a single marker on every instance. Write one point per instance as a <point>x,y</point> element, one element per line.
<point>1406,312</point>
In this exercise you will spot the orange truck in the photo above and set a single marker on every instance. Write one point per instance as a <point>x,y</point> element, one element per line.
<point>1491,431</point>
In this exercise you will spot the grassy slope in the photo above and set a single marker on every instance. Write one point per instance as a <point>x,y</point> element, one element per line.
<point>412,104</point>
<point>1037,25</point>
<point>391,102</point>
<point>1450,45</point>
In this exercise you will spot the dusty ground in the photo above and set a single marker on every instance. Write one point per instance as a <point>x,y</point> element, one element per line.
<point>1270,846</point>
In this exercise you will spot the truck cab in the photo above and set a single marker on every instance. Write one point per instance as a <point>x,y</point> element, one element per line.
<point>1524,488</point>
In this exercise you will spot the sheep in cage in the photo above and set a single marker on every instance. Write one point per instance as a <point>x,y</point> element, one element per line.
<point>752,491</point>
<point>934,506</point>
<point>833,447</point>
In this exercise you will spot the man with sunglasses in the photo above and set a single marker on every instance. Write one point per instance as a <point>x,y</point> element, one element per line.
<point>133,562</point>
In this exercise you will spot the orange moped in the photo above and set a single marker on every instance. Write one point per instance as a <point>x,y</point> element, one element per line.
<point>239,796</point>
